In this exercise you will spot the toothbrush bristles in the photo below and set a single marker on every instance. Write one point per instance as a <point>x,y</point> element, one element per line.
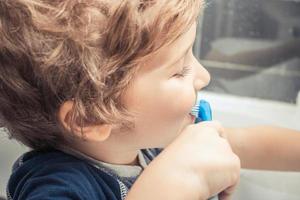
<point>195,109</point>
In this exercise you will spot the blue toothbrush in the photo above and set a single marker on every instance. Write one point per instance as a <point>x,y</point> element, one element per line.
<point>202,111</point>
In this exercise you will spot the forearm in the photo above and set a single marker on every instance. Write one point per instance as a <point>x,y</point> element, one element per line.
<point>266,147</point>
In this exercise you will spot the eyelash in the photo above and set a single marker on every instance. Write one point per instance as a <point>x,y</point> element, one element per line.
<point>185,71</point>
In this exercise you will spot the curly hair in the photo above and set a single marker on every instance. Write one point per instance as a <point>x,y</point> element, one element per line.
<point>52,51</point>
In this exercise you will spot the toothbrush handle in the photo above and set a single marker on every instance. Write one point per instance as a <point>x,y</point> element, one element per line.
<point>204,113</point>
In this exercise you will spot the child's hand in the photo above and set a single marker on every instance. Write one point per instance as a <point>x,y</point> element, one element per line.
<point>202,159</point>
<point>197,165</point>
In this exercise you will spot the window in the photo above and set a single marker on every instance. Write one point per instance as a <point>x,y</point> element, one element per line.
<point>252,47</point>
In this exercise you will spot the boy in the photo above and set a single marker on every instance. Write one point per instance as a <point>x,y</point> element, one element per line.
<point>88,84</point>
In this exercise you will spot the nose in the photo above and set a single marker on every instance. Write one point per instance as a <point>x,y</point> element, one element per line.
<point>202,76</point>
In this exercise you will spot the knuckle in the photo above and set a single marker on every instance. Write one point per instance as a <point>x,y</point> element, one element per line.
<point>225,143</point>
<point>218,124</point>
<point>235,177</point>
<point>236,163</point>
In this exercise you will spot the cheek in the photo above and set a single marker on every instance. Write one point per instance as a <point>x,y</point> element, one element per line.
<point>156,98</point>
<point>153,95</point>
<point>172,106</point>
<point>180,97</point>
<point>178,105</point>
<point>165,109</point>
<point>160,110</point>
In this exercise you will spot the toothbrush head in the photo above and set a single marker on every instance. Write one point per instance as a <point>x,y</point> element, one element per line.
<point>202,111</point>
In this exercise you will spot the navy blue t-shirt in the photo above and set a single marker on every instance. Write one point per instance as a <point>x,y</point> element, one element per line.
<point>56,175</point>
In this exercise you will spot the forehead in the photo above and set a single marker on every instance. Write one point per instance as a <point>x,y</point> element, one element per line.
<point>165,56</point>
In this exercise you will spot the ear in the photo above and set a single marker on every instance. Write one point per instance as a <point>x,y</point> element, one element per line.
<point>96,133</point>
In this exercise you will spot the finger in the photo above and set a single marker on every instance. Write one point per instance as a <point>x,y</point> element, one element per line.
<point>215,125</point>
<point>227,194</point>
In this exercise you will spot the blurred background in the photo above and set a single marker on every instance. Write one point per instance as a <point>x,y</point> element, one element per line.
<point>252,47</point>
<point>252,50</point>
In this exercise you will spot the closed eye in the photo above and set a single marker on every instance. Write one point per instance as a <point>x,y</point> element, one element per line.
<point>184,72</point>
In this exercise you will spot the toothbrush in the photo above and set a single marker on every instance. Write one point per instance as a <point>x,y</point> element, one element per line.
<point>202,111</point>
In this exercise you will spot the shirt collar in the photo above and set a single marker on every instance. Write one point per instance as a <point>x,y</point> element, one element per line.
<point>125,171</point>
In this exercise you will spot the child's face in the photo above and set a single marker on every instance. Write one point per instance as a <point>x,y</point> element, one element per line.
<point>163,93</point>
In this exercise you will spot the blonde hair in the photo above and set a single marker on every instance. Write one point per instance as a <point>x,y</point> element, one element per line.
<point>52,51</point>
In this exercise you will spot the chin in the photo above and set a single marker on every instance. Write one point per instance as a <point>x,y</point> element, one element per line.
<point>188,120</point>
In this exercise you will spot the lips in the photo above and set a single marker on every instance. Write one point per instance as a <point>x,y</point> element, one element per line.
<point>192,118</point>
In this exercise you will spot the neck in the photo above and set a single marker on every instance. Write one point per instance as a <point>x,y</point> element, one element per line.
<point>108,153</point>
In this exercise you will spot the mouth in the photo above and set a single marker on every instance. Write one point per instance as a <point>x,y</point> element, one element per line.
<point>192,117</point>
